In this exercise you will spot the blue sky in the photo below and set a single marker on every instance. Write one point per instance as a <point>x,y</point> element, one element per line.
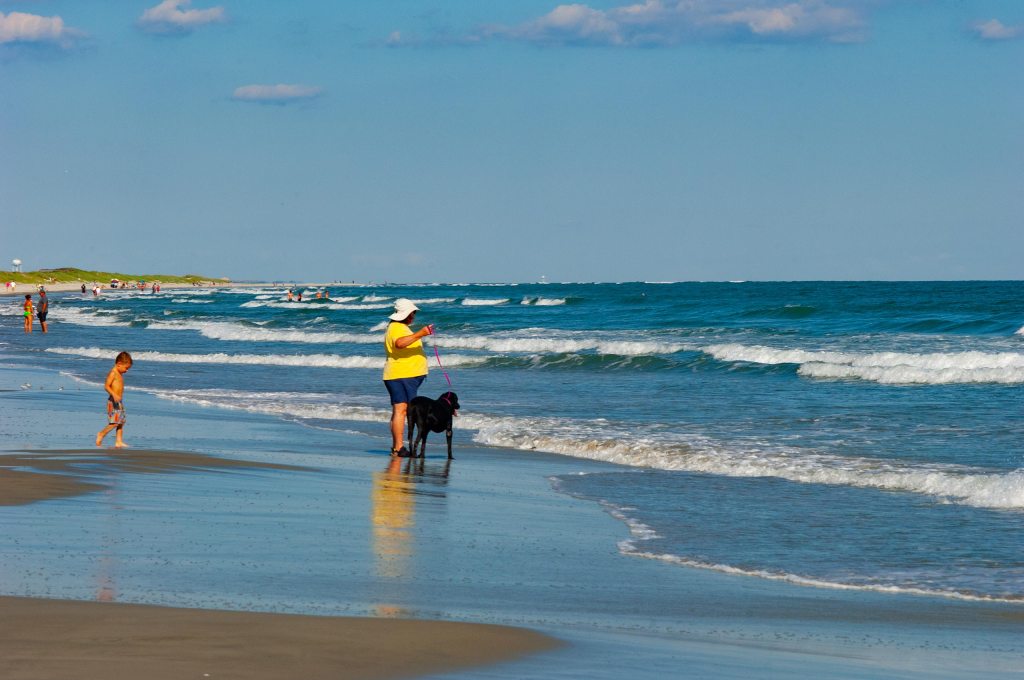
<point>412,140</point>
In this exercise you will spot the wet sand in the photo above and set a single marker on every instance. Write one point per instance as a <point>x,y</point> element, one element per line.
<point>47,639</point>
<point>38,475</point>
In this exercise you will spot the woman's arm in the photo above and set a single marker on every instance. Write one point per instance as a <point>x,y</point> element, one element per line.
<point>406,340</point>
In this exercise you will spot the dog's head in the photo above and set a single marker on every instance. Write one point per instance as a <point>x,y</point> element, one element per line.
<point>452,400</point>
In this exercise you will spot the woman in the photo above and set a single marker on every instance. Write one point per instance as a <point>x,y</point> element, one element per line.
<point>405,368</point>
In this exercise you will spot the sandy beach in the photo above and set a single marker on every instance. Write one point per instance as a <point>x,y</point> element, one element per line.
<point>75,287</point>
<point>45,639</point>
<point>216,511</point>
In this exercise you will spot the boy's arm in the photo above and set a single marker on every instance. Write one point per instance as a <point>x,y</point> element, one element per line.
<point>109,386</point>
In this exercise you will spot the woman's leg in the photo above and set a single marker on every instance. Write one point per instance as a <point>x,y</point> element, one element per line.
<point>398,412</point>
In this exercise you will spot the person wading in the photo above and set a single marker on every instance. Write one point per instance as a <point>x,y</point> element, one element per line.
<point>405,368</point>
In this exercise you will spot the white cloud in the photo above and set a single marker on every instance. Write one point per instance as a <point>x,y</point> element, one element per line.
<point>170,17</point>
<point>18,27</point>
<point>993,29</point>
<point>275,94</point>
<point>670,22</point>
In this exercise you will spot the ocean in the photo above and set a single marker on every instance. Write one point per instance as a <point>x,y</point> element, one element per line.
<point>853,435</point>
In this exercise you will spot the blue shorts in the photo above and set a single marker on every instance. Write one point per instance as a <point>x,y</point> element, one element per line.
<point>403,390</point>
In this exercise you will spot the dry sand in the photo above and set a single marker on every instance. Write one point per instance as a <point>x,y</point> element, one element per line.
<point>48,639</point>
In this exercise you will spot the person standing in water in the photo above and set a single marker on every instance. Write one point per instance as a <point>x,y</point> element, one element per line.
<point>27,308</point>
<point>114,385</point>
<point>44,308</point>
<point>405,368</point>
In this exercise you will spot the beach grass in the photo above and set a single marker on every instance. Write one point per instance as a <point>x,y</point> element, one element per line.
<point>75,275</point>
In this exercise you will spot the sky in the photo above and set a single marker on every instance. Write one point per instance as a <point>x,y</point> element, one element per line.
<point>459,140</point>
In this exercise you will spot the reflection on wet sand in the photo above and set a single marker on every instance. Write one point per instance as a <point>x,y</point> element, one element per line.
<point>394,497</point>
<point>111,537</point>
<point>38,475</point>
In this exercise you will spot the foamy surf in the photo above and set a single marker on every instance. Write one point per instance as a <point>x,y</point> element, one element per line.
<point>894,368</point>
<point>601,440</point>
<point>641,533</point>
<point>301,360</point>
<point>552,341</point>
<point>484,302</point>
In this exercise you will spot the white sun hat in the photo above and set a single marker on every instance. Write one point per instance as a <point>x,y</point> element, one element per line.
<point>403,308</point>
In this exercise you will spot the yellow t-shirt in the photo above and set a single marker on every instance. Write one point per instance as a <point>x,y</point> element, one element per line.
<point>410,362</point>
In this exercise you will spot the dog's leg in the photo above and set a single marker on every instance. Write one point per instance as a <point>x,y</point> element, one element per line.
<point>448,433</point>
<point>424,431</point>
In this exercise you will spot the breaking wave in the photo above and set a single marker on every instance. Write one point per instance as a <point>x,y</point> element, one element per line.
<point>621,444</point>
<point>484,302</point>
<point>893,368</point>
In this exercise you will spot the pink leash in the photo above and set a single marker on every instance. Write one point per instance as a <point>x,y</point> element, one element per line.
<point>436,354</point>
<point>439,365</point>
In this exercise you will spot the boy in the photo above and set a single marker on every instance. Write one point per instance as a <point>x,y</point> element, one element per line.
<point>114,386</point>
<point>27,307</point>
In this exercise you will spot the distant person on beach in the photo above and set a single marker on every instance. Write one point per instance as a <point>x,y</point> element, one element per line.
<point>27,307</point>
<point>114,385</point>
<point>83,289</point>
<point>44,309</point>
<point>405,367</point>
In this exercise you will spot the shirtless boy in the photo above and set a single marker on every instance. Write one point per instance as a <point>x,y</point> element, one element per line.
<point>114,386</point>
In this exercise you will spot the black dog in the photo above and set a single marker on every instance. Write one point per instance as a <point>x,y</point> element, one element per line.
<point>427,415</point>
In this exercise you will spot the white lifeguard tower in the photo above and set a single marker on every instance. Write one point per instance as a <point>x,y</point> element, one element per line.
<point>17,264</point>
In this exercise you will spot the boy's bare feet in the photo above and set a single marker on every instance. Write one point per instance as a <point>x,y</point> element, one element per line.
<point>121,445</point>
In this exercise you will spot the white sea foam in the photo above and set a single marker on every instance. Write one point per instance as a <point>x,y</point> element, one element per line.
<point>190,301</point>
<point>1020,331</point>
<point>604,441</point>
<point>433,301</point>
<point>307,360</point>
<point>313,304</point>
<point>539,341</point>
<point>885,367</point>
<point>376,298</point>
<point>85,317</point>
<point>542,302</point>
<point>558,345</point>
<point>970,486</point>
<point>640,533</point>
<point>484,302</point>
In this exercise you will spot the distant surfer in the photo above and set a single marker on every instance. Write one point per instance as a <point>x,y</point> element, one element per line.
<point>405,368</point>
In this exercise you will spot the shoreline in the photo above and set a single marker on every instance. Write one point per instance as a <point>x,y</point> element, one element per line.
<point>485,539</point>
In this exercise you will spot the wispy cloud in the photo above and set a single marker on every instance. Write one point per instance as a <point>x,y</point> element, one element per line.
<point>18,27</point>
<point>653,23</point>
<point>172,16</point>
<point>275,94</point>
<point>993,29</point>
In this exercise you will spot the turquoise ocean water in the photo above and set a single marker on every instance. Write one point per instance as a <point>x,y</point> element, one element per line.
<point>837,435</point>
